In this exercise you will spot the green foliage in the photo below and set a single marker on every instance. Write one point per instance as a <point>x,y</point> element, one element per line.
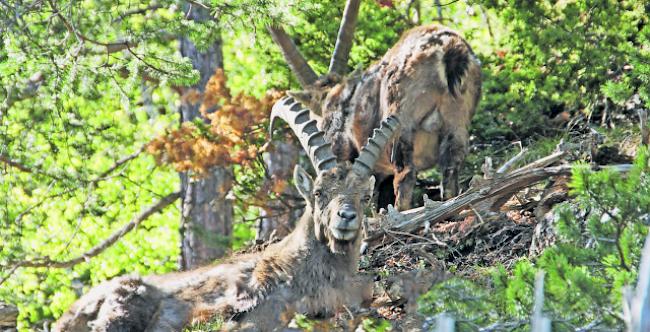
<point>209,326</point>
<point>566,56</point>
<point>70,111</point>
<point>598,250</point>
<point>254,63</point>
<point>375,325</point>
<point>366,324</point>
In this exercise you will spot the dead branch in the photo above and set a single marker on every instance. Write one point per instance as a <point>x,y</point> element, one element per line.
<point>299,66</point>
<point>543,162</point>
<point>96,250</point>
<point>341,54</point>
<point>508,164</point>
<point>495,190</point>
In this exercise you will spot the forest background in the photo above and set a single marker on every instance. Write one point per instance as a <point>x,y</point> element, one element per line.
<point>112,113</point>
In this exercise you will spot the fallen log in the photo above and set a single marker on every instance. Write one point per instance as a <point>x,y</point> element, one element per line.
<point>496,191</point>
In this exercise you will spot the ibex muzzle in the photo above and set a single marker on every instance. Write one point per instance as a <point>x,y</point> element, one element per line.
<point>346,224</point>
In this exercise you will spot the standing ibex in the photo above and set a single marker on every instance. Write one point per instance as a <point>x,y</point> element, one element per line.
<point>430,79</point>
<point>312,270</point>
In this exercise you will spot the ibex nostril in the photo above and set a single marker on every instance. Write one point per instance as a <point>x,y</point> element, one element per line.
<point>347,214</point>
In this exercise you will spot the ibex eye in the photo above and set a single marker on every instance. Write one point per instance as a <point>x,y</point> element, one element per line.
<point>366,198</point>
<point>318,192</point>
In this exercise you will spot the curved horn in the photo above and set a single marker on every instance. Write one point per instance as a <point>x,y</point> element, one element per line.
<point>365,162</point>
<point>310,137</point>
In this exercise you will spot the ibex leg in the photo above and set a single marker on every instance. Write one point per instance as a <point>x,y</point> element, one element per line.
<point>453,148</point>
<point>404,181</point>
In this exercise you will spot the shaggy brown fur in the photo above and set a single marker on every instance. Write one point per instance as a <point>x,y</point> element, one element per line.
<point>432,81</point>
<point>310,271</point>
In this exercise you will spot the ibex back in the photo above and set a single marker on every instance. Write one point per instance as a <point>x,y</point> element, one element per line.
<point>311,271</point>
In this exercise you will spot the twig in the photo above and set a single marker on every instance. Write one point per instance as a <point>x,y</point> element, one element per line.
<point>9,274</point>
<point>478,215</point>
<point>12,163</point>
<point>349,312</point>
<point>111,47</point>
<point>643,126</point>
<point>117,164</point>
<point>202,5</point>
<point>543,162</point>
<point>486,18</point>
<point>508,164</point>
<point>154,6</point>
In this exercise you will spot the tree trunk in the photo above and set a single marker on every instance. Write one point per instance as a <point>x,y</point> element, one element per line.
<point>8,316</point>
<point>206,211</point>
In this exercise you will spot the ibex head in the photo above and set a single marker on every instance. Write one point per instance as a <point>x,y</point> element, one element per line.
<point>337,197</point>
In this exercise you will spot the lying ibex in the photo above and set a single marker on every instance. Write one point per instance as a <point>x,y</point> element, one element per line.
<point>430,79</point>
<point>311,271</point>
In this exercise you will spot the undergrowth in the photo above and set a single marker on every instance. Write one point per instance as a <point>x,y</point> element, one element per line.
<point>600,238</point>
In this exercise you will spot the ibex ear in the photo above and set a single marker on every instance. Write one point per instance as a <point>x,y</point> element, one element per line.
<point>304,96</point>
<point>371,183</point>
<point>303,182</point>
<point>310,98</point>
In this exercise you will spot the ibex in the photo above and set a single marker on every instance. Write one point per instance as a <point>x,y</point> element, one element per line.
<point>312,270</point>
<point>430,79</point>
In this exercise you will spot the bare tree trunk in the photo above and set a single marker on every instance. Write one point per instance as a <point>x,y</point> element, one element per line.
<point>8,315</point>
<point>206,211</point>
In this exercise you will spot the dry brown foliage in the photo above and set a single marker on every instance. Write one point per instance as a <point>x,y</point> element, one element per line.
<point>231,134</point>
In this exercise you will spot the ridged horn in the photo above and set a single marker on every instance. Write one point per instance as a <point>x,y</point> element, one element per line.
<point>365,162</point>
<point>310,137</point>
